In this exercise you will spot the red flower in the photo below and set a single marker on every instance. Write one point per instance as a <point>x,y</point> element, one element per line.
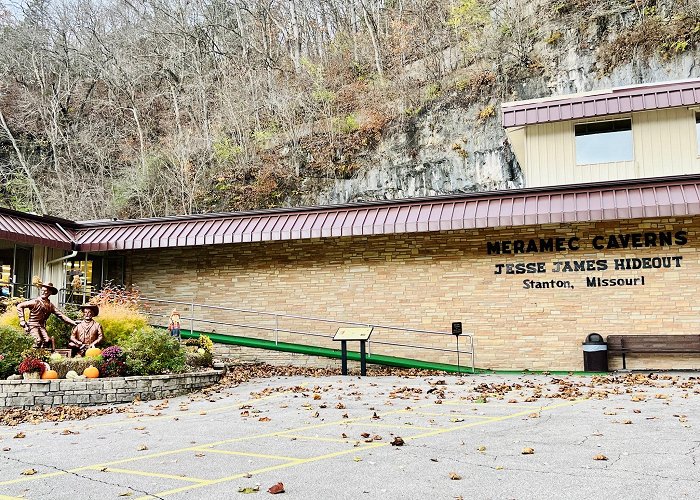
<point>30,365</point>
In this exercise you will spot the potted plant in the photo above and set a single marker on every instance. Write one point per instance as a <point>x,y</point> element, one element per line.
<point>32,368</point>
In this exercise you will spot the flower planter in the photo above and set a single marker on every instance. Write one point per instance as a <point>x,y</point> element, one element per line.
<point>31,376</point>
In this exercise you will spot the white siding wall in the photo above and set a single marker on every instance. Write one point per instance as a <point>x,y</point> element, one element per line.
<point>48,274</point>
<point>664,144</point>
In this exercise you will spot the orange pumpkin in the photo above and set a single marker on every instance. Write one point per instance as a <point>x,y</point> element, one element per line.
<point>91,372</point>
<point>93,352</point>
<point>49,374</point>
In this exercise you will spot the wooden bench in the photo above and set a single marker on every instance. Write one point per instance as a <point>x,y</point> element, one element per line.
<point>657,344</point>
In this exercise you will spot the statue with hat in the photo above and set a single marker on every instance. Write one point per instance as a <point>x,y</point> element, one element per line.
<point>40,309</point>
<point>88,333</point>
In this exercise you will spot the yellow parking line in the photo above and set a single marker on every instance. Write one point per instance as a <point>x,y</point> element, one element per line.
<point>491,421</point>
<point>258,471</point>
<point>318,438</point>
<point>248,454</point>
<point>155,474</point>
<point>191,448</point>
<point>471,403</point>
<point>346,452</point>
<point>390,426</point>
<point>457,415</point>
<point>5,497</point>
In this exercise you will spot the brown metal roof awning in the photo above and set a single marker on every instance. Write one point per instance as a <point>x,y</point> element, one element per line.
<point>678,197</point>
<point>606,102</point>
<point>24,228</point>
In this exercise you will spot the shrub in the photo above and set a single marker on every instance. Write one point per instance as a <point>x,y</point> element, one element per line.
<point>119,322</point>
<point>197,359</point>
<point>10,319</point>
<point>151,351</point>
<point>59,330</point>
<point>114,362</point>
<point>13,341</point>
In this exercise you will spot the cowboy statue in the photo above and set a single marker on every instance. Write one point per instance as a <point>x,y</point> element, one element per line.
<point>87,333</point>
<point>39,311</point>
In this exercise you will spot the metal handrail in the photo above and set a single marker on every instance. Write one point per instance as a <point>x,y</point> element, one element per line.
<point>277,330</point>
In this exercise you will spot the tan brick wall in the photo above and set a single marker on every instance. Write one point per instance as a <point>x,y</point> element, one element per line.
<point>427,280</point>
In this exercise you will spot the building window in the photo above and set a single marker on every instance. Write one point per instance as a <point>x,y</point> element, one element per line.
<point>697,130</point>
<point>604,142</point>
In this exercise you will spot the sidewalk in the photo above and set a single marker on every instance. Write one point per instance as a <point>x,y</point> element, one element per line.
<point>334,437</point>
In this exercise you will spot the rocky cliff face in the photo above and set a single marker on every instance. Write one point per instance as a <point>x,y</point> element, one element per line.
<point>448,149</point>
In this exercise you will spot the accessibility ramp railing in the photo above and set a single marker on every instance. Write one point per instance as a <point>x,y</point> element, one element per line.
<point>427,346</point>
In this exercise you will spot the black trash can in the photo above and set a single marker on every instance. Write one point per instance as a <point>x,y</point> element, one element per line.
<point>595,354</point>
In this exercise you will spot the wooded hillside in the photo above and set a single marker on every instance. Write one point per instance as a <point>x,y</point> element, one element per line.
<point>123,108</point>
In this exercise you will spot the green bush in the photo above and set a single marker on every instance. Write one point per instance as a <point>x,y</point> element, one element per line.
<point>59,330</point>
<point>151,351</point>
<point>197,359</point>
<point>13,342</point>
<point>119,322</point>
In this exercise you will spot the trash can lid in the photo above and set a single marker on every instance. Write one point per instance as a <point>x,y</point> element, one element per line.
<point>594,338</point>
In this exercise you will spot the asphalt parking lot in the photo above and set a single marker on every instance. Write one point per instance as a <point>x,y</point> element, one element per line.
<point>626,436</point>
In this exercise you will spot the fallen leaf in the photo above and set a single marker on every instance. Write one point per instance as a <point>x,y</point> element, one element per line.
<point>398,441</point>
<point>534,415</point>
<point>456,419</point>
<point>600,457</point>
<point>20,435</point>
<point>344,436</point>
<point>6,449</point>
<point>626,422</point>
<point>527,451</point>
<point>264,419</point>
<point>454,476</point>
<point>276,488</point>
<point>202,412</point>
<point>357,459</point>
<point>139,428</point>
<point>365,434</point>
<point>481,448</point>
<point>126,494</point>
<point>433,459</point>
<point>199,455</point>
<point>29,472</point>
<point>316,398</point>
<point>142,447</point>
<point>66,432</point>
<point>249,489</point>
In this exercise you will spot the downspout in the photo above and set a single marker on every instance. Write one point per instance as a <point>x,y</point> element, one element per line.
<point>72,244</point>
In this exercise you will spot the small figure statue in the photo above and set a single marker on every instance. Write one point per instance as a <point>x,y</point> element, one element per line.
<point>88,333</point>
<point>39,311</point>
<point>174,326</point>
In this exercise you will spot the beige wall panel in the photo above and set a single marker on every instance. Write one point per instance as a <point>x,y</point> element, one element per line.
<point>426,281</point>
<point>665,143</point>
<point>48,274</point>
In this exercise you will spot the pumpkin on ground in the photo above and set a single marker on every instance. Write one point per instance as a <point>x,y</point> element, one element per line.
<point>91,372</point>
<point>49,374</point>
<point>93,352</point>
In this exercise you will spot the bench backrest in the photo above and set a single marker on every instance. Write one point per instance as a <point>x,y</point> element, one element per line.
<point>654,343</point>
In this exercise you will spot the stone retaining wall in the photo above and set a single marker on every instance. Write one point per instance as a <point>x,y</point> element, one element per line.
<point>37,393</point>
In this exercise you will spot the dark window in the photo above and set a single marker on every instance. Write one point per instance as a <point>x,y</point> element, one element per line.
<point>697,129</point>
<point>604,142</point>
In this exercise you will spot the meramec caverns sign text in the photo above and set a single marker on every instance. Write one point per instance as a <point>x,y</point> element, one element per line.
<point>664,239</point>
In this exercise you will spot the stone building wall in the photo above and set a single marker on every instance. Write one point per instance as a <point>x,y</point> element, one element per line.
<point>428,280</point>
